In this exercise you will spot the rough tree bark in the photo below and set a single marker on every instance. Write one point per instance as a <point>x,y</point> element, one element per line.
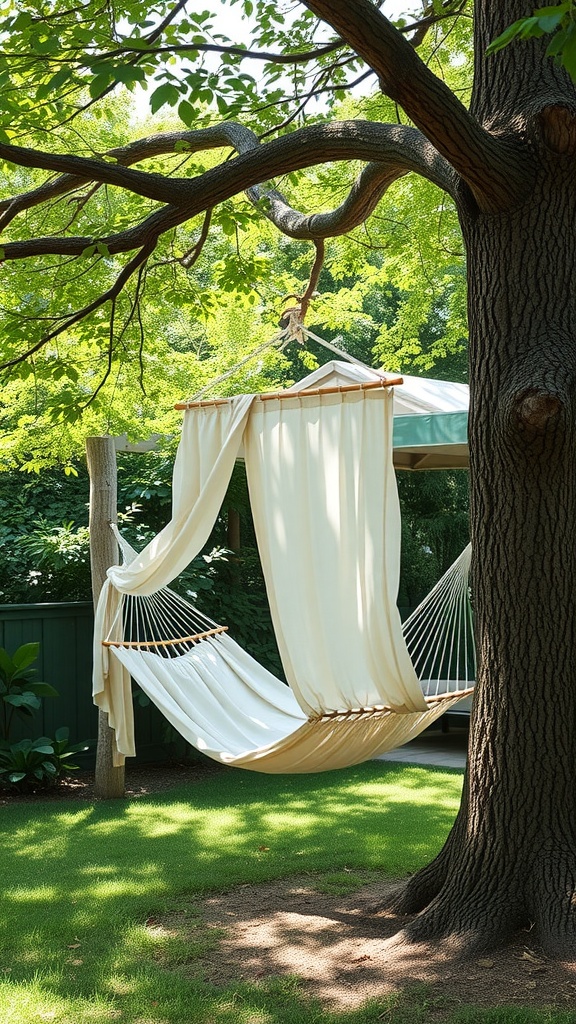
<point>510,860</point>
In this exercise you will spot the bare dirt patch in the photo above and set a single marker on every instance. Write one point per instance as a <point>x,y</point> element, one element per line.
<point>345,953</point>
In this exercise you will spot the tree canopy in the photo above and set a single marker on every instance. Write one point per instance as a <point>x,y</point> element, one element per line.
<point>110,276</point>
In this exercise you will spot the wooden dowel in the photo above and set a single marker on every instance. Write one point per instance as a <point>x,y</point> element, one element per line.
<point>334,390</point>
<point>270,395</point>
<point>164,643</point>
<point>448,696</point>
<point>383,709</point>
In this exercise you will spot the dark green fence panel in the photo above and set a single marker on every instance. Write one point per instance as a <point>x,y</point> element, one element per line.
<point>64,632</point>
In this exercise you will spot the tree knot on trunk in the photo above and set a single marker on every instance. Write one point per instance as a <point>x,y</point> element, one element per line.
<point>537,411</point>
<point>558,129</point>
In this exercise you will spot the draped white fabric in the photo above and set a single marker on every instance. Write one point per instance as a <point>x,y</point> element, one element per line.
<point>208,448</point>
<point>326,511</point>
<point>327,518</point>
<point>211,437</point>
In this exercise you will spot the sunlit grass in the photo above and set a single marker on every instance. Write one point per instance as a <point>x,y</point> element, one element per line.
<point>85,887</point>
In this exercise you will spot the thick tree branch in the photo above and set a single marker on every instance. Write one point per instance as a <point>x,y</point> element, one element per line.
<point>497,170</point>
<point>145,233</point>
<point>394,149</point>
<point>362,200</point>
<point>142,183</point>
<point>227,134</point>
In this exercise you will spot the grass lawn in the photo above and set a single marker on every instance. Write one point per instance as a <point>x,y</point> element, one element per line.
<point>80,881</point>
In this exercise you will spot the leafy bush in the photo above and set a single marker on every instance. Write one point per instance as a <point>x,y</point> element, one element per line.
<point>20,694</point>
<point>64,750</point>
<point>28,762</point>
<point>31,764</point>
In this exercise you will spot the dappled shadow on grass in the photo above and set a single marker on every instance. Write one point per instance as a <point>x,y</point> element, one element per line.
<point>344,952</point>
<point>80,878</point>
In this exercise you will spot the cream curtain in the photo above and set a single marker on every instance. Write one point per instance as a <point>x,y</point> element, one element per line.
<point>325,506</point>
<point>211,437</point>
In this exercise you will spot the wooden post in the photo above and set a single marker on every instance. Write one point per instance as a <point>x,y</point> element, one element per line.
<point>101,459</point>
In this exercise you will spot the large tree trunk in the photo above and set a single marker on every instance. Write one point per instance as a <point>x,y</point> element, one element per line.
<point>510,860</point>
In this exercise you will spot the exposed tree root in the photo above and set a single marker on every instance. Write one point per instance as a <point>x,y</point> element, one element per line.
<point>472,906</point>
<point>552,900</point>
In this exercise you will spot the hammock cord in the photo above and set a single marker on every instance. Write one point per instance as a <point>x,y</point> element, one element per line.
<point>438,634</point>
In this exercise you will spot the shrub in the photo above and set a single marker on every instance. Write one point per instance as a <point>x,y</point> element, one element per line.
<point>32,764</point>
<point>20,694</point>
<point>29,763</point>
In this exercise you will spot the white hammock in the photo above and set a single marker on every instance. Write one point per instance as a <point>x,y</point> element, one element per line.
<point>326,513</point>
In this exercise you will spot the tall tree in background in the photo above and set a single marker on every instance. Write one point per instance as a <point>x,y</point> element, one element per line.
<point>507,163</point>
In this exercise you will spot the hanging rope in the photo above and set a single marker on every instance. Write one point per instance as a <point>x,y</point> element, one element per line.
<point>279,340</point>
<point>294,330</point>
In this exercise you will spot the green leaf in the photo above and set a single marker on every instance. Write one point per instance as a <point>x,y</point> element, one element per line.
<point>187,114</point>
<point>556,44</point>
<point>43,689</point>
<point>137,42</point>
<point>507,36</point>
<point>98,85</point>
<point>164,94</point>
<point>23,700</point>
<point>550,22</point>
<point>54,84</point>
<point>128,74</point>
<point>25,655</point>
<point>568,57</point>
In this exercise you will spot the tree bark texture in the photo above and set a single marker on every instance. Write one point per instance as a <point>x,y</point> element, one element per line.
<point>510,860</point>
<point>101,458</point>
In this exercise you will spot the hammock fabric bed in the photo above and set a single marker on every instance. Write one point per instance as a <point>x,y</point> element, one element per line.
<point>325,507</point>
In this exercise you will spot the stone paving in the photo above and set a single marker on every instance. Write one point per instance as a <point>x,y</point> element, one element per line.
<point>444,749</point>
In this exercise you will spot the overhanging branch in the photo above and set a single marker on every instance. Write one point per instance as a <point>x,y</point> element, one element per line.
<point>392,150</point>
<point>497,170</point>
<point>110,295</point>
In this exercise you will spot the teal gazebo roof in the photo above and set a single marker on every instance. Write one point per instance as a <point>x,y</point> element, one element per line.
<point>437,440</point>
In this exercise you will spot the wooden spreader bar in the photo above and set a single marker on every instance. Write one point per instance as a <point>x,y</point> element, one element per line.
<point>165,643</point>
<point>383,709</point>
<point>270,395</point>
